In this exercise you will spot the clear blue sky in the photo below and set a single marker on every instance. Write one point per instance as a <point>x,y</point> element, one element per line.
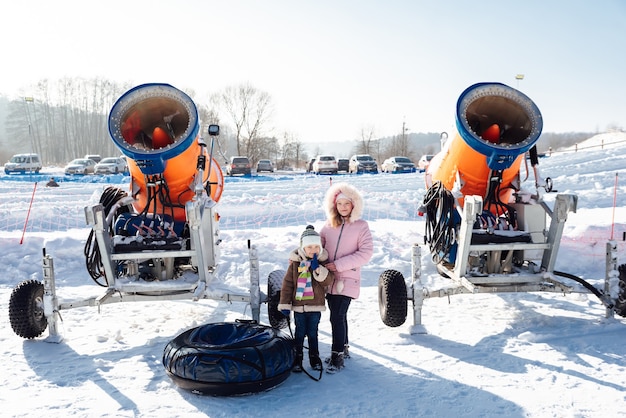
<point>334,68</point>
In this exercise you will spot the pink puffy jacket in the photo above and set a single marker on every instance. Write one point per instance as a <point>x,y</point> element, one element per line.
<point>349,245</point>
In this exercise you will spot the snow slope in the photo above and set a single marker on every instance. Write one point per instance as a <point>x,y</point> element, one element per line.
<point>513,355</point>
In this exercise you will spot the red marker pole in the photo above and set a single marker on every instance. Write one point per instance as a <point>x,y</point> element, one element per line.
<point>28,213</point>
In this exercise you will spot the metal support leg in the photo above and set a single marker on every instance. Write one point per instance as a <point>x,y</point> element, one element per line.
<point>472,207</point>
<point>611,280</point>
<point>417,289</point>
<point>563,204</point>
<point>50,300</point>
<point>255,288</point>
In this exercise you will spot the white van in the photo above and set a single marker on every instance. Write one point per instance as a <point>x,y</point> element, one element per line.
<point>22,163</point>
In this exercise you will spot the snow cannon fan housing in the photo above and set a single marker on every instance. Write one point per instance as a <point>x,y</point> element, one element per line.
<point>496,125</point>
<point>153,123</point>
<point>156,126</point>
<point>498,121</point>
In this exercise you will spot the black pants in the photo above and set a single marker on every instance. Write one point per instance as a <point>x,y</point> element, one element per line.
<point>338,305</point>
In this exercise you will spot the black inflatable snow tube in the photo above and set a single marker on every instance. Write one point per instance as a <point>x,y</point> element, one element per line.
<point>227,358</point>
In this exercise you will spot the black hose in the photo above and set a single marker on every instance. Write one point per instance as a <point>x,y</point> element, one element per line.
<point>599,294</point>
<point>534,157</point>
<point>440,221</point>
<point>93,258</point>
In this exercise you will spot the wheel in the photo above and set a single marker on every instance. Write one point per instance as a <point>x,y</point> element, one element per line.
<point>392,298</point>
<point>620,303</point>
<point>274,284</point>
<point>26,312</point>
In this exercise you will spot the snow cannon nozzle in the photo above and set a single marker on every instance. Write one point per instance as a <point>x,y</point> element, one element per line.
<point>153,123</point>
<point>498,121</point>
<point>156,127</point>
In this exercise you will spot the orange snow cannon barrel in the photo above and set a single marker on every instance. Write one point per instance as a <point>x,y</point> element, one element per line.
<point>496,125</point>
<point>156,126</point>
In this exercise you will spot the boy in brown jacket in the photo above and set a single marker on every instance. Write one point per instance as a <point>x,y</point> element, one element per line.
<point>303,292</point>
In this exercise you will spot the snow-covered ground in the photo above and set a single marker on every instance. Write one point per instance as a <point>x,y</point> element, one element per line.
<point>513,355</point>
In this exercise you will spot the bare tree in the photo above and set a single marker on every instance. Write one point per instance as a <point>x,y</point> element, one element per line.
<point>365,143</point>
<point>208,116</point>
<point>64,119</point>
<point>249,109</point>
<point>263,147</point>
<point>291,152</point>
<point>398,145</point>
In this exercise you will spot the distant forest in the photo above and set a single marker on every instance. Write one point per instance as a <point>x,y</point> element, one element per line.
<point>68,119</point>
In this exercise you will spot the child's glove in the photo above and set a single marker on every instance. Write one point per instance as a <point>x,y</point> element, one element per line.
<point>314,263</point>
<point>285,312</point>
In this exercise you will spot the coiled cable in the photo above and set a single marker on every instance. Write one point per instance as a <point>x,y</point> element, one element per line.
<point>93,258</point>
<point>441,218</point>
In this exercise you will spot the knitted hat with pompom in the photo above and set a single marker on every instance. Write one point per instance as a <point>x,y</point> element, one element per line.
<point>310,237</point>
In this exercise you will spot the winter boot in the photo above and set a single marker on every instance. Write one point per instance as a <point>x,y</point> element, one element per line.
<point>297,365</point>
<point>336,362</point>
<point>346,354</point>
<point>316,362</point>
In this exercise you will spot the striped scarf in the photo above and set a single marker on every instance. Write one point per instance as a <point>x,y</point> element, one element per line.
<point>304,289</point>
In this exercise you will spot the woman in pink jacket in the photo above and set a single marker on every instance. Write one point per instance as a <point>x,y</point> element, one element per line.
<point>348,240</point>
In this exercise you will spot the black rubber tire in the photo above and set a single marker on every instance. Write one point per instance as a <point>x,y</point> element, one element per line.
<point>274,284</point>
<point>26,313</point>
<point>392,298</point>
<point>620,303</point>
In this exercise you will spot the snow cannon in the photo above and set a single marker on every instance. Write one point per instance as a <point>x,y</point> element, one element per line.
<point>496,125</point>
<point>484,232</point>
<point>161,239</point>
<point>156,126</point>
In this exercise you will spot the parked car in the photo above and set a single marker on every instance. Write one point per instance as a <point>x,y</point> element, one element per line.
<point>363,163</point>
<point>325,164</point>
<point>343,164</point>
<point>309,167</point>
<point>264,165</point>
<point>22,163</point>
<point>424,161</point>
<point>80,166</point>
<point>398,165</point>
<point>94,157</point>
<point>238,165</point>
<point>111,165</point>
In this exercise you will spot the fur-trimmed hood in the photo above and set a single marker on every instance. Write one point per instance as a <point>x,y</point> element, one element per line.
<point>329,202</point>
